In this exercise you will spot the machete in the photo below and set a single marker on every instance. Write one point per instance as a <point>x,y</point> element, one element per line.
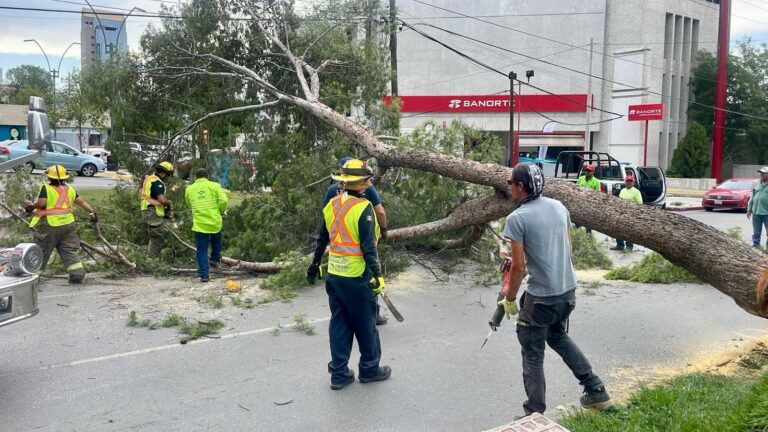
<point>392,308</point>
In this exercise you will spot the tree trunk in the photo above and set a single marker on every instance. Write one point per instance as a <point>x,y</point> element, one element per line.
<point>732,267</point>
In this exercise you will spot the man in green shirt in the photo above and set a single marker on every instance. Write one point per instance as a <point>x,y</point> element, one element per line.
<point>632,194</point>
<point>207,201</point>
<point>588,180</point>
<point>757,207</point>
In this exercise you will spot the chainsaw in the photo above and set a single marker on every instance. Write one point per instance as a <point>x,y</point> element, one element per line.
<point>498,314</point>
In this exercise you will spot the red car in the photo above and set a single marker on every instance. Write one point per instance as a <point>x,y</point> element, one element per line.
<point>731,194</point>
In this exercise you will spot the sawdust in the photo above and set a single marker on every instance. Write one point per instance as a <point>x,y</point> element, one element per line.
<point>625,381</point>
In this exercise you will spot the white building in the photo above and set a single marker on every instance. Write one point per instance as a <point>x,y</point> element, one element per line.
<point>643,52</point>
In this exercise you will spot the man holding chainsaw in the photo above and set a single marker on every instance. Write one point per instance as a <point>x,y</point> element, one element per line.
<point>354,277</point>
<point>539,235</point>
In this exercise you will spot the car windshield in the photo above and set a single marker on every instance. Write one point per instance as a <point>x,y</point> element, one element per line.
<point>734,184</point>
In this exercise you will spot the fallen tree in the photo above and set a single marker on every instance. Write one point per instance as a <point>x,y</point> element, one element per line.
<point>690,244</point>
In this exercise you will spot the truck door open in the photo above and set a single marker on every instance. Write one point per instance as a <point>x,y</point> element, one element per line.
<point>652,185</point>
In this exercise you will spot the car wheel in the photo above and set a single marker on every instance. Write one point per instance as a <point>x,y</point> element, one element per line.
<point>88,170</point>
<point>708,208</point>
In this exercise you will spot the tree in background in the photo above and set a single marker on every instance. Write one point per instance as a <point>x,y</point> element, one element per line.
<point>26,81</point>
<point>747,92</point>
<point>74,108</point>
<point>691,157</point>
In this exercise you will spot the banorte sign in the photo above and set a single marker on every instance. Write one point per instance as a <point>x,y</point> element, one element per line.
<point>492,103</point>
<point>646,112</point>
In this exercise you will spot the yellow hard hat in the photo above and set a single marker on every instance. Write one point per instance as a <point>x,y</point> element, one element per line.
<point>165,166</point>
<point>354,170</point>
<point>57,172</point>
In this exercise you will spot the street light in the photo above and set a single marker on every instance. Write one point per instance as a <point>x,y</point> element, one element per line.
<point>54,72</point>
<point>117,39</point>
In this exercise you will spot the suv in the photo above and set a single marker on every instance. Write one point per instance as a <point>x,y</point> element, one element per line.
<point>649,180</point>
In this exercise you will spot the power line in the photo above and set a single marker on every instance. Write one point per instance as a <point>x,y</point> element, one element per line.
<point>596,52</point>
<point>479,63</point>
<point>542,37</point>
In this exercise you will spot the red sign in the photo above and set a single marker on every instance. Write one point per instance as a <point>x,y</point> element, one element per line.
<point>492,103</point>
<point>646,112</point>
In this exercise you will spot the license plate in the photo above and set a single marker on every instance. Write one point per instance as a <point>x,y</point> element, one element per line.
<point>718,202</point>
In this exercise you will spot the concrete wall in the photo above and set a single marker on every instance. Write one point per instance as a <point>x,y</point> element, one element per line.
<point>747,171</point>
<point>702,184</point>
<point>651,48</point>
<point>426,68</point>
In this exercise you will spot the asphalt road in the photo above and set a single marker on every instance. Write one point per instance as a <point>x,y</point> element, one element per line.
<point>101,180</point>
<point>78,367</point>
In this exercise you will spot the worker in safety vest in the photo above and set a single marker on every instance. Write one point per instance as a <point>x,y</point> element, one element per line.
<point>155,206</point>
<point>207,201</point>
<point>589,181</point>
<point>54,221</point>
<point>372,195</point>
<point>354,277</point>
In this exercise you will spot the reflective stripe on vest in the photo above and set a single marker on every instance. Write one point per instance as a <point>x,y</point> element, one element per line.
<point>60,211</point>
<point>342,242</point>
<point>146,198</point>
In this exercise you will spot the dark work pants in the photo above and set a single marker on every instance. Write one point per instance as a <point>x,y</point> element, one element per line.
<point>544,319</point>
<point>65,240</point>
<point>622,243</point>
<point>202,240</point>
<point>353,315</point>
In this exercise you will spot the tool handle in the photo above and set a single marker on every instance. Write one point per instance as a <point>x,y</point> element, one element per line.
<point>498,314</point>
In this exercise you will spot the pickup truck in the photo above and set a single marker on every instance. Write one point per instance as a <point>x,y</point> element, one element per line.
<point>18,281</point>
<point>649,180</point>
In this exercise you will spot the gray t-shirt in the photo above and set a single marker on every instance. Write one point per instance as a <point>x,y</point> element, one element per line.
<point>542,227</point>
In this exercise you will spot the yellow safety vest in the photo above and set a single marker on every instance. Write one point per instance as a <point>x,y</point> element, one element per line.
<point>58,206</point>
<point>146,198</point>
<point>342,214</point>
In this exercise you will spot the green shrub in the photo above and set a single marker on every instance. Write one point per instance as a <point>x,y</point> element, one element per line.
<point>587,253</point>
<point>653,268</point>
<point>691,157</point>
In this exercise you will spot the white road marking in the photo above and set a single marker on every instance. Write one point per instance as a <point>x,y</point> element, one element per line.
<point>169,346</point>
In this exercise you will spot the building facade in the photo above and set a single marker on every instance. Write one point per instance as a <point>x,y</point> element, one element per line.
<point>641,52</point>
<point>101,35</point>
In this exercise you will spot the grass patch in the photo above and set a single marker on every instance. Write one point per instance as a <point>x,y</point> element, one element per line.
<point>243,303</point>
<point>653,268</point>
<point>691,402</point>
<point>587,253</point>
<point>213,301</point>
<point>301,324</point>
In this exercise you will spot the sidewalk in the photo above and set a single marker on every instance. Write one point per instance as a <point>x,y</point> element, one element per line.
<point>117,175</point>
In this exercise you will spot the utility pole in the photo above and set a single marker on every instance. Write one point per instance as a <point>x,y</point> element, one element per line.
<point>393,46</point>
<point>512,144</point>
<point>721,89</point>
<point>588,132</point>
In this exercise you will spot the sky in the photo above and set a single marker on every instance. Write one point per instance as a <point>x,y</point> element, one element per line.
<point>55,31</point>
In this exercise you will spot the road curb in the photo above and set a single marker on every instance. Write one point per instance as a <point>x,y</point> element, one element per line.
<point>677,209</point>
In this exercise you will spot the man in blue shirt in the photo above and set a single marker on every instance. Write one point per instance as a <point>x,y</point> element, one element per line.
<point>539,236</point>
<point>381,216</point>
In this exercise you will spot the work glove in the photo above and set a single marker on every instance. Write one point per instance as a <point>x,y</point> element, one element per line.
<point>510,307</point>
<point>383,233</point>
<point>94,217</point>
<point>29,208</point>
<point>377,285</point>
<point>314,272</point>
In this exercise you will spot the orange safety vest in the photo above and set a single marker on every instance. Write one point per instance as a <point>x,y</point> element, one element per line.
<point>58,206</point>
<point>342,213</point>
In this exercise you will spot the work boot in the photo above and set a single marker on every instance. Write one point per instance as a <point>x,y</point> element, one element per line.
<point>617,248</point>
<point>380,320</point>
<point>596,398</point>
<point>214,264</point>
<point>204,279</point>
<point>350,378</point>
<point>77,277</point>
<point>384,373</point>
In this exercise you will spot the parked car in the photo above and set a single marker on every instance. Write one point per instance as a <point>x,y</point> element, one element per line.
<point>62,154</point>
<point>731,194</point>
